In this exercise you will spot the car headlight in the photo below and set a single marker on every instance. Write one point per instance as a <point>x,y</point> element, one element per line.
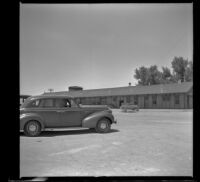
<point>22,116</point>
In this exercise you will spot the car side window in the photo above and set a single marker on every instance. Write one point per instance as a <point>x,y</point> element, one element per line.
<point>60,103</point>
<point>67,103</point>
<point>73,103</point>
<point>46,103</point>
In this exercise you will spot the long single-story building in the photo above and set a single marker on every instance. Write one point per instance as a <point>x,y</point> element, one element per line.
<point>163,96</point>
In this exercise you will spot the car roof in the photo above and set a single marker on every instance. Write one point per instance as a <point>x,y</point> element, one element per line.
<point>49,96</point>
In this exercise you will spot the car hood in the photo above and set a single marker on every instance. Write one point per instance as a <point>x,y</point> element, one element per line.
<point>21,110</point>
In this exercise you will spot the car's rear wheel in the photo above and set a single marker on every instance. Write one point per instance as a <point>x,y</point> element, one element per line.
<point>32,128</point>
<point>103,126</point>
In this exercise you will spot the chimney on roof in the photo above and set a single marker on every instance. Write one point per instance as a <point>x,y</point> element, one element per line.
<point>129,84</point>
<point>75,88</point>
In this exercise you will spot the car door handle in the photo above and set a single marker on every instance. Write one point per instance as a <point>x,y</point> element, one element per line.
<point>60,111</point>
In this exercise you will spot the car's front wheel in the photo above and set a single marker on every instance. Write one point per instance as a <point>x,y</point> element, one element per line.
<point>103,126</point>
<point>32,128</point>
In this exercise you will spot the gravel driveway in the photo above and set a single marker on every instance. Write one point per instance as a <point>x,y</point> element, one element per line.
<point>144,143</point>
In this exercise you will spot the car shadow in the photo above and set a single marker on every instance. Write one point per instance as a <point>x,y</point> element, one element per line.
<point>130,111</point>
<point>70,132</point>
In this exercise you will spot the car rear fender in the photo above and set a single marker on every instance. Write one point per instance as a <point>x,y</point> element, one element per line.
<point>91,120</point>
<point>24,118</point>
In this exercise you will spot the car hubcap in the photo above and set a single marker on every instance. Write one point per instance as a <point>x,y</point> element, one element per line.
<point>103,126</point>
<point>32,128</point>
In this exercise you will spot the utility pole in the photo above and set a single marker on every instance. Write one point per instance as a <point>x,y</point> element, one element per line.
<point>50,89</point>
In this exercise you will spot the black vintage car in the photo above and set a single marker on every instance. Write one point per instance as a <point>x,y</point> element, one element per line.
<point>40,112</point>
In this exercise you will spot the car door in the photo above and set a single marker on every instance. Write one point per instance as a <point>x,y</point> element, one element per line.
<point>49,113</point>
<point>70,113</point>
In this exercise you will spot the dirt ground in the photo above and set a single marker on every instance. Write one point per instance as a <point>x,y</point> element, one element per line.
<point>144,143</point>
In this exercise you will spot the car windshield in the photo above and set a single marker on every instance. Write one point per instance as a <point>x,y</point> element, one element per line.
<point>26,102</point>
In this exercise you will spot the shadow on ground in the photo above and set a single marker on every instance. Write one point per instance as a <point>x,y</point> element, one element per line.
<point>129,111</point>
<point>70,132</point>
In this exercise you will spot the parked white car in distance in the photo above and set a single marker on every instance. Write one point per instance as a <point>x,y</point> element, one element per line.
<point>129,106</point>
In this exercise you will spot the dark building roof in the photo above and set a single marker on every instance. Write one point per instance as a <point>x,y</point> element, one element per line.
<point>131,90</point>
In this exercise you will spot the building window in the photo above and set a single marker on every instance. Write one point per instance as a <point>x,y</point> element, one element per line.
<point>98,101</point>
<point>78,100</point>
<point>166,97</point>
<point>103,100</point>
<point>114,99</point>
<point>177,100</point>
<point>94,100</point>
<point>136,100</point>
<point>154,99</point>
<point>128,99</point>
<point>82,100</point>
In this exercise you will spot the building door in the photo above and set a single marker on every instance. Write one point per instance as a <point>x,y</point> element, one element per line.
<point>189,102</point>
<point>121,102</point>
<point>154,101</point>
<point>146,101</point>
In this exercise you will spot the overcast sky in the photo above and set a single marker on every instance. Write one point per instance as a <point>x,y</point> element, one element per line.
<point>98,45</point>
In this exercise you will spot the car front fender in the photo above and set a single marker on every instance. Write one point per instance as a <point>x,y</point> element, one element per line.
<point>24,118</point>
<point>91,120</point>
